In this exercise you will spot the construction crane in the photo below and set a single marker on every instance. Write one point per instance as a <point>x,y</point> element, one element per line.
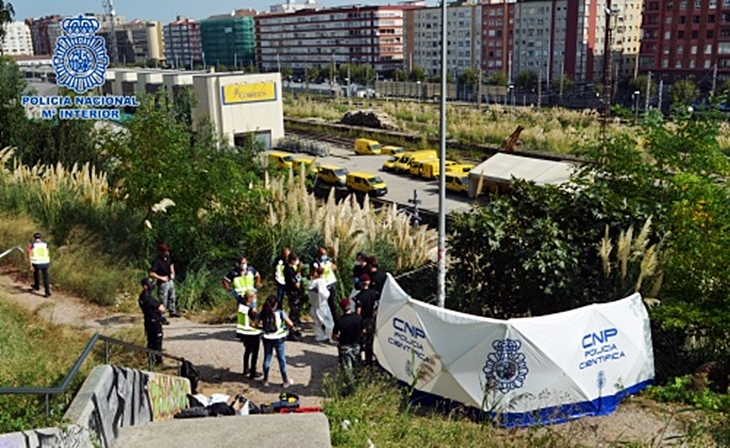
<point>110,13</point>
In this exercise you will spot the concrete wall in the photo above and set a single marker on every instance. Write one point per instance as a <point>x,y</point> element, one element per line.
<point>110,398</point>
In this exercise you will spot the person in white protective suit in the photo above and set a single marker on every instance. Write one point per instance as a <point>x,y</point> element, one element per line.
<point>319,309</point>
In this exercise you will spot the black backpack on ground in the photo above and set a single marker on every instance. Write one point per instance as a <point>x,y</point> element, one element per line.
<point>189,371</point>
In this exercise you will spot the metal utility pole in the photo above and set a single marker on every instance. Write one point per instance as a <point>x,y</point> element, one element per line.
<point>442,163</point>
<point>110,13</point>
<point>539,88</point>
<point>661,90</point>
<point>607,69</point>
<point>648,92</point>
<point>714,79</point>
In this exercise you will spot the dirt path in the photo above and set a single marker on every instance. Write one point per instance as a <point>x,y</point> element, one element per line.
<point>218,354</point>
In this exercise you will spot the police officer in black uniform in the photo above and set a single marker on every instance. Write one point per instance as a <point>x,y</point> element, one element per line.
<point>153,312</point>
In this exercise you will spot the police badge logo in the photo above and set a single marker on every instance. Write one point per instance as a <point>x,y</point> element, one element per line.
<point>506,368</point>
<point>80,59</point>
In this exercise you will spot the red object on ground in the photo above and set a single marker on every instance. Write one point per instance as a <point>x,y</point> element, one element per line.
<point>299,410</point>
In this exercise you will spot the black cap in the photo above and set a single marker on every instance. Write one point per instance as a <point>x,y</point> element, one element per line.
<point>147,282</point>
<point>37,235</point>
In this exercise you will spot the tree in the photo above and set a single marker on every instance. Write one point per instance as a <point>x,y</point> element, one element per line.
<point>526,80</point>
<point>6,16</point>
<point>313,74</point>
<point>399,75</point>
<point>563,83</point>
<point>640,83</point>
<point>417,74</point>
<point>684,92</point>
<point>469,77</point>
<point>287,73</point>
<point>498,79</point>
<point>12,113</point>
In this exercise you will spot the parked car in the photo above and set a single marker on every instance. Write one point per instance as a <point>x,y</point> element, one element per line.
<point>457,183</point>
<point>416,166</point>
<point>332,174</point>
<point>280,160</point>
<point>392,150</point>
<point>432,168</point>
<point>310,166</point>
<point>403,164</point>
<point>365,146</point>
<point>460,168</point>
<point>389,164</point>
<point>366,183</point>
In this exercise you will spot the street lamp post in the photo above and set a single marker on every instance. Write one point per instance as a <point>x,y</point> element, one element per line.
<point>635,97</point>
<point>441,284</point>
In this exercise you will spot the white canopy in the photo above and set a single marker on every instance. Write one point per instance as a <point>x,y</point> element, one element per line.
<point>527,371</point>
<point>502,167</point>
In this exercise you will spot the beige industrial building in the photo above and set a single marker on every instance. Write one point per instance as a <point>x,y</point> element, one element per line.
<point>238,105</point>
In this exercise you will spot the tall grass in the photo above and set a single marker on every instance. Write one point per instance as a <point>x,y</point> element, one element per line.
<point>34,353</point>
<point>301,221</point>
<point>555,129</point>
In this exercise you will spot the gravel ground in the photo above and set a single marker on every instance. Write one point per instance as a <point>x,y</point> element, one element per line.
<point>215,350</point>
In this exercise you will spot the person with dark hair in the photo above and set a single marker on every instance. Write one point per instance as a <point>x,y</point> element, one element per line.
<point>293,288</point>
<point>153,312</point>
<point>279,266</point>
<point>163,270</point>
<point>377,278</point>
<point>275,324</point>
<point>325,262</point>
<point>40,261</point>
<point>248,333</point>
<point>240,279</point>
<point>361,267</point>
<point>348,331</point>
<point>367,307</point>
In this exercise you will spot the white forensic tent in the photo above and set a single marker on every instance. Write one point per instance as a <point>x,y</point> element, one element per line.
<point>538,370</point>
<point>501,168</point>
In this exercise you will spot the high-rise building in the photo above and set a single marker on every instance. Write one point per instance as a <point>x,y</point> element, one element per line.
<point>44,32</point>
<point>308,38</point>
<point>292,6</point>
<point>497,35</point>
<point>183,48</point>
<point>146,40</point>
<point>18,40</point>
<point>463,27</point>
<point>228,39</point>
<point>682,38</point>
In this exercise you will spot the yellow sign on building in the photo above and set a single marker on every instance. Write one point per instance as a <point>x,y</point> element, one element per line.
<point>249,93</point>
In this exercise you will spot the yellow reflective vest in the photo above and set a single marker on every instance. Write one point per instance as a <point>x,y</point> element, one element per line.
<point>39,253</point>
<point>244,326</point>
<point>244,282</point>
<point>280,325</point>
<point>329,274</point>
<point>279,273</point>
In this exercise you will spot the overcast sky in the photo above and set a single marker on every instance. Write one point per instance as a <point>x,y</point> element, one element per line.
<point>162,10</point>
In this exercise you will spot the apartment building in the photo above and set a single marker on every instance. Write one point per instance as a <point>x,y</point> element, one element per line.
<point>497,31</point>
<point>44,32</point>
<point>228,39</point>
<point>463,30</point>
<point>684,38</point>
<point>308,38</point>
<point>18,40</point>
<point>183,47</point>
<point>147,40</point>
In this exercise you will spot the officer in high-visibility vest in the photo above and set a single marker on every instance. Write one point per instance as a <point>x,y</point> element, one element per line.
<point>240,279</point>
<point>40,260</point>
<point>325,262</point>
<point>249,334</point>
<point>279,266</point>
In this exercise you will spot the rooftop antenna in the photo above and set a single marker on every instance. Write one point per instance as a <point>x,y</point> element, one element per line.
<point>110,13</point>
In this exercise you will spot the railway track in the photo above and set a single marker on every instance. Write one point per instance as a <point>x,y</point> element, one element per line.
<point>330,132</point>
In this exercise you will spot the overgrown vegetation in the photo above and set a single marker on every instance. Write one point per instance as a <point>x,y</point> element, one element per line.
<point>30,360</point>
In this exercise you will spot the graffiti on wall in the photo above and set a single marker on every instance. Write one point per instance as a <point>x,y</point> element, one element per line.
<point>69,437</point>
<point>121,400</point>
<point>168,395</point>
